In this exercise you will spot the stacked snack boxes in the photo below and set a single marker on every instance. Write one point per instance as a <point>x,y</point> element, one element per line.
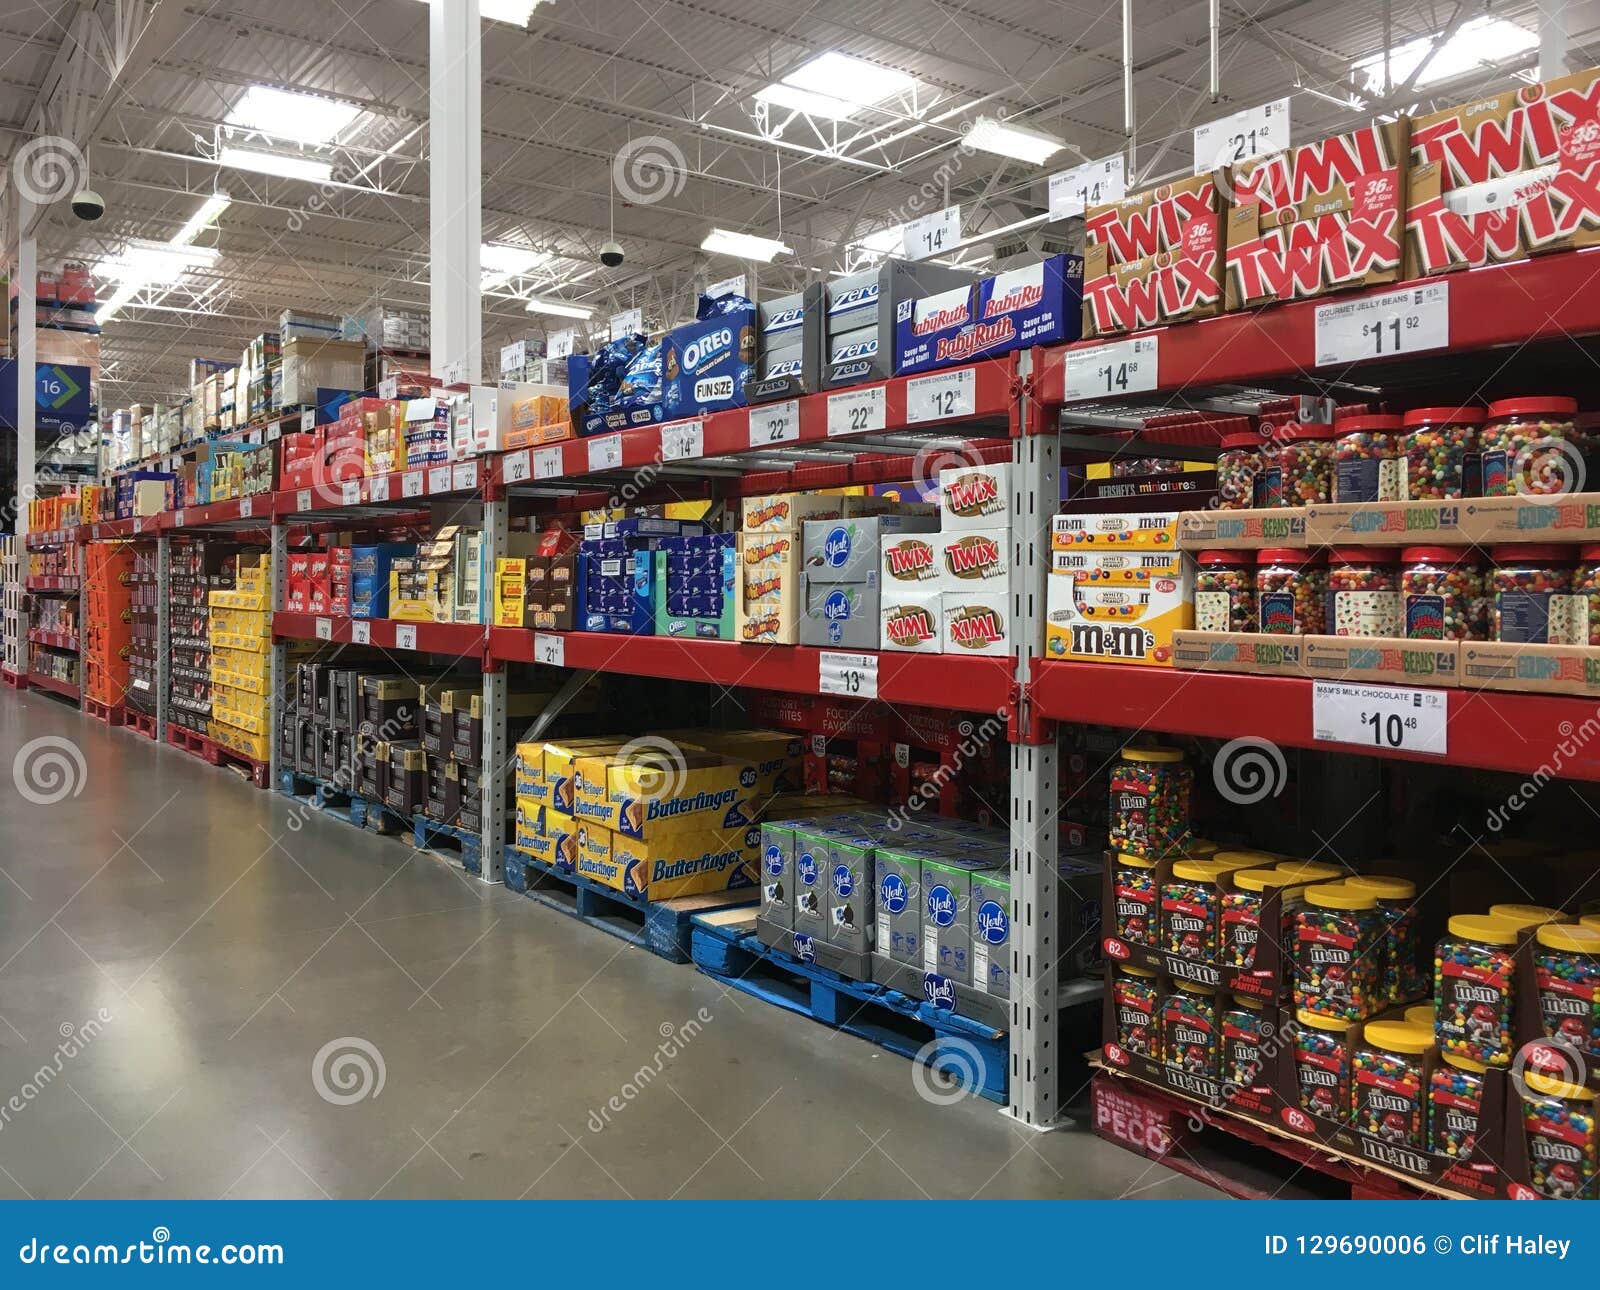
<point>1153,257</point>
<point>694,586</point>
<point>108,621</point>
<point>241,641</point>
<point>1037,304</point>
<point>1118,588</point>
<point>767,584</point>
<point>190,562</point>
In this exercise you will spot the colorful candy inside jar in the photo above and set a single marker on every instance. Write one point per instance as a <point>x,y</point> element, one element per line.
<point>1531,584</point>
<point>1241,913</point>
<point>1322,1065</point>
<point>1455,1103</point>
<point>1225,592</point>
<point>1150,801</point>
<point>1297,469</point>
<point>1190,1037</point>
<point>1133,993</point>
<point>1238,467</point>
<point>1190,903</point>
<point>1586,596</point>
<point>1244,1028</point>
<point>1560,1123</point>
<point>1366,459</point>
<point>1138,912</point>
<point>1291,592</point>
<point>1441,595</point>
<point>1386,1072</point>
<point>1530,446</point>
<point>1438,444</point>
<point>1405,975</point>
<point>1363,592</point>
<point>1336,953</point>
<point>1473,987</point>
<point>1566,967</point>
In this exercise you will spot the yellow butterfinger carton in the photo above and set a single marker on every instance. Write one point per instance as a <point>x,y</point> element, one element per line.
<point>778,755</point>
<point>529,776</point>
<point>676,790</point>
<point>559,756</point>
<point>596,857</point>
<point>686,864</point>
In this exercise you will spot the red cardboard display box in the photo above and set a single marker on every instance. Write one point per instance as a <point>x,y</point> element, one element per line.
<point>1153,258</point>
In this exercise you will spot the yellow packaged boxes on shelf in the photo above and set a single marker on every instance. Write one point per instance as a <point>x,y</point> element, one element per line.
<point>592,846</point>
<point>686,864</point>
<point>556,845</point>
<point>559,756</point>
<point>1153,529</point>
<point>653,793</point>
<point>1119,618</point>
<point>778,756</point>
<point>529,776</point>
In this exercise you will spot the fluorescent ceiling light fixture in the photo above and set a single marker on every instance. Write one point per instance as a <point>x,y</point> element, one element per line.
<point>819,105</point>
<point>1476,45</point>
<point>276,163</point>
<point>989,134</point>
<point>746,246</point>
<point>835,86</point>
<point>284,114</point>
<point>202,218</point>
<point>500,263</point>
<point>515,12</point>
<point>141,262</point>
<point>558,308</point>
<point>118,298</point>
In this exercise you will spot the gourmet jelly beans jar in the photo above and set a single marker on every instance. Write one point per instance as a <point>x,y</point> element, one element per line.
<point>1405,975</point>
<point>1530,583</point>
<point>1586,596</point>
<point>1241,913</point>
<point>1530,446</point>
<point>1438,444</point>
<point>1150,801</point>
<point>1336,969</point>
<point>1138,912</point>
<point>1291,591</point>
<point>1322,1065</point>
<point>1363,592</point>
<point>1190,909</point>
<point>1225,591</point>
<point>1297,470</point>
<point>1133,994</point>
<point>1366,459</point>
<point>1560,1125</point>
<point>1388,1096</point>
<point>1473,988</point>
<point>1441,594</point>
<point>1455,1102</point>
<point>1244,1028</point>
<point>1566,965</point>
<point>1238,467</point>
<point>1190,1035</point>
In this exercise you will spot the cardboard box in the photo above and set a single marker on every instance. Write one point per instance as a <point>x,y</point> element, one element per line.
<point>975,559</point>
<point>788,512</point>
<point>648,796</point>
<point>1121,531</point>
<point>1118,617</point>
<point>911,621</point>
<point>1540,669</point>
<point>975,497</point>
<point>911,563</point>
<point>559,771</point>
<point>976,622</point>
<point>685,864</point>
<point>1154,257</point>
<point>1231,530</point>
<point>695,591</point>
<point>841,561</point>
<point>706,364</point>
<point>1240,652</point>
<point>767,587</point>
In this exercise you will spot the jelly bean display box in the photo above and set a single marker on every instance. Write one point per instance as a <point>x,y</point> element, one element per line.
<point>1154,257</point>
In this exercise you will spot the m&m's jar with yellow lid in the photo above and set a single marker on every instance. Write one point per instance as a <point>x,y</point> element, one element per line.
<point>1245,1029</point>
<point>1322,1065</point>
<point>1336,968</point>
<point>1241,913</point>
<point>1474,985</point>
<point>1566,966</point>
<point>1404,975</point>
<point>1133,994</point>
<point>1455,1105</point>
<point>1313,870</point>
<point>1388,1096</point>
<point>1150,790</point>
<point>1559,1120</point>
<point>1190,903</point>
<point>1137,916</point>
<point>1190,1034</point>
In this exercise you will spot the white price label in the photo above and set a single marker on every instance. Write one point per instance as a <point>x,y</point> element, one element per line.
<point>682,440</point>
<point>733,286</point>
<point>360,632</point>
<point>931,234</point>
<point>439,479</point>
<point>1253,132</point>
<point>177,519</point>
<point>517,467</point>
<point>389,387</point>
<point>464,475</point>
<point>942,395</point>
<point>324,629</point>
<point>1396,322</point>
<point>1121,367</point>
<point>547,463</point>
<point>855,675</point>
<point>405,636</point>
<point>513,357</point>
<point>411,484</point>
<point>857,411</point>
<point>561,343</point>
<point>273,432</point>
<point>454,372</point>
<point>1092,184</point>
<point>308,420</point>
<point>138,525</point>
<point>775,423</point>
<point>628,321</point>
<point>247,507</point>
<point>1383,717</point>
<point>302,500</point>
<point>605,452</point>
<point>549,649</point>
<point>350,492</point>
<point>378,488</point>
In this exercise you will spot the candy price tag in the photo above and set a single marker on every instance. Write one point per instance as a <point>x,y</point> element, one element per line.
<point>1120,367</point>
<point>547,463</point>
<point>324,629</point>
<point>388,388</point>
<point>549,649</point>
<point>308,420</point>
<point>513,356</point>
<point>855,675</point>
<point>1092,184</point>
<point>378,488</point>
<point>350,492</point>
<point>775,423</point>
<point>1387,718</point>
<point>857,411</point>
<point>405,636</point>
<point>360,632</point>
<point>302,500</point>
<point>439,479</point>
<point>941,396</point>
<point>931,234</point>
<point>682,440</point>
<point>518,467</point>
<point>464,475</point>
<point>605,452</point>
<point>1396,322</point>
<point>247,507</point>
<point>177,520</point>
<point>1253,132</point>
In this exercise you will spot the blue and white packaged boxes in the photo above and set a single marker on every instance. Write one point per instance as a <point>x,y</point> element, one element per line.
<point>1040,304</point>
<point>706,365</point>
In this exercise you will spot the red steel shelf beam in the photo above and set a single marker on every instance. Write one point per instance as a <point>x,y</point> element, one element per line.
<point>39,681</point>
<point>457,639</point>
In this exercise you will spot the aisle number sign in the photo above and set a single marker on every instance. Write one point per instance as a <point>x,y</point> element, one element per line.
<point>405,636</point>
<point>1253,132</point>
<point>1397,322</point>
<point>931,234</point>
<point>360,632</point>
<point>1092,184</point>
<point>1381,718</point>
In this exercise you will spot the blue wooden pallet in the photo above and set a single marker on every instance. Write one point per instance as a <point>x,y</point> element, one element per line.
<point>661,926</point>
<point>972,1054</point>
<point>430,835</point>
<point>339,804</point>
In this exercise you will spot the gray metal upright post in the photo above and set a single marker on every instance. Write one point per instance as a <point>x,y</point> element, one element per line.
<point>278,655</point>
<point>163,634</point>
<point>496,754</point>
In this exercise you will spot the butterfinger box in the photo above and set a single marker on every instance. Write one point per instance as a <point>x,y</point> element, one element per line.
<point>1318,218</point>
<point>685,864</point>
<point>1152,258</point>
<point>559,757</point>
<point>647,796</point>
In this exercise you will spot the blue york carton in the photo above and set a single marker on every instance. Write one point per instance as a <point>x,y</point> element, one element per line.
<point>706,364</point>
<point>1037,305</point>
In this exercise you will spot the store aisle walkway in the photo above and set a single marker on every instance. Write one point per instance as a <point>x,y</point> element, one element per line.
<point>177,947</point>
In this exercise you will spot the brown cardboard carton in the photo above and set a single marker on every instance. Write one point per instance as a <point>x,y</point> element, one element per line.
<point>1152,258</point>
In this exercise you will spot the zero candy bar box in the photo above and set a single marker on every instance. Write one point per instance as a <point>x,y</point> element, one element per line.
<point>1317,218</point>
<point>1506,176</point>
<point>1035,305</point>
<point>1154,257</point>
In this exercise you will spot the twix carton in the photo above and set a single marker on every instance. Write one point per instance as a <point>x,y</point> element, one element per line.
<point>1154,257</point>
<point>975,497</point>
<point>1318,218</point>
<point>1504,177</point>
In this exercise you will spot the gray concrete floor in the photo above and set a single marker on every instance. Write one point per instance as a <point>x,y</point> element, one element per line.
<point>177,955</point>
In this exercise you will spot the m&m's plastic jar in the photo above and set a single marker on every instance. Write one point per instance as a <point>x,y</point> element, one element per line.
<point>1566,966</point>
<point>1150,789</point>
<point>1291,591</point>
<point>1322,1065</point>
<point>1441,594</point>
<point>1529,584</point>
<point>1474,978</point>
<point>1297,466</point>
<point>1438,444</point>
<point>1405,974</point>
<point>1190,1035</point>
<point>1455,1103</point>
<point>1336,968</point>
<point>1387,1090</point>
<point>1225,591</point>
<point>1526,916</point>
<point>1363,592</point>
<point>1133,994</point>
<point>1190,906</point>
<point>1313,870</point>
<point>1420,1014</point>
<point>1137,916</point>
<point>1366,459</point>
<point>1241,913</point>
<point>1529,446</point>
<point>1585,624</point>
<point>1238,468</point>
<point>1244,1028</point>
<point>1560,1123</point>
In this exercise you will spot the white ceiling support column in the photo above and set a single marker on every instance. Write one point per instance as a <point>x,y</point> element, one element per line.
<point>27,337</point>
<point>1552,39</point>
<point>455,208</point>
